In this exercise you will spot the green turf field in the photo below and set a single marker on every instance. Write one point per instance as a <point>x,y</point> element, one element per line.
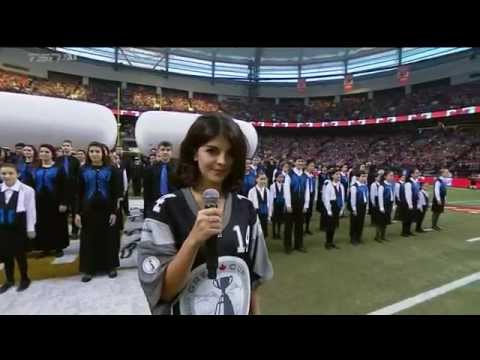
<point>362,279</point>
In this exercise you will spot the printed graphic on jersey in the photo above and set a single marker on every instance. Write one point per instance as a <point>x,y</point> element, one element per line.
<point>150,265</point>
<point>228,294</point>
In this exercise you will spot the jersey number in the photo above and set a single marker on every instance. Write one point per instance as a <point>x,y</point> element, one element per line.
<point>242,248</point>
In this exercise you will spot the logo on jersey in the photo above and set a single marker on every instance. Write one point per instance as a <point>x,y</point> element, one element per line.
<point>160,201</point>
<point>150,265</point>
<point>228,294</point>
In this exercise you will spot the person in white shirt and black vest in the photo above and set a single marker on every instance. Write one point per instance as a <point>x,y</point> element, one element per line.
<point>398,184</point>
<point>383,205</point>
<point>439,197</point>
<point>408,201</point>
<point>334,201</point>
<point>262,201</point>
<point>358,205</point>
<point>17,225</point>
<point>391,184</point>
<point>278,216</point>
<point>158,179</point>
<point>345,180</point>
<point>322,179</point>
<point>422,206</point>
<point>371,178</point>
<point>344,176</point>
<point>312,184</point>
<point>374,194</point>
<point>297,199</point>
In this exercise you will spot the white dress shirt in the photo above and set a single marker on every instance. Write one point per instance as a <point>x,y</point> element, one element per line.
<point>353,196</point>
<point>124,179</point>
<point>275,171</point>
<point>273,189</point>
<point>397,189</point>
<point>374,192</point>
<point>25,202</point>
<point>329,194</point>
<point>408,193</point>
<point>274,174</point>
<point>252,196</point>
<point>422,199</point>
<point>381,203</point>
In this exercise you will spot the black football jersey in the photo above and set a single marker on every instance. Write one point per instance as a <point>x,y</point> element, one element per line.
<point>179,211</point>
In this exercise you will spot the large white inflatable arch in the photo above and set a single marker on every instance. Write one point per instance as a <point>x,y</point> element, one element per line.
<point>33,119</point>
<point>155,126</point>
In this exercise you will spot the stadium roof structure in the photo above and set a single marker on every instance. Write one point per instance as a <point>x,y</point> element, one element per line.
<point>273,56</point>
<point>277,65</point>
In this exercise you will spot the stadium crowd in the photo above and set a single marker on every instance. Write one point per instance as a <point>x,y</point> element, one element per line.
<point>429,150</point>
<point>143,98</point>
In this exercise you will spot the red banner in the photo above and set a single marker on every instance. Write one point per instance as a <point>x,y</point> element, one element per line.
<point>403,74</point>
<point>301,85</point>
<point>348,82</point>
<point>343,123</point>
<point>375,121</point>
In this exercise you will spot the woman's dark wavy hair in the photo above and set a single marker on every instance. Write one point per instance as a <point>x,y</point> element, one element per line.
<point>204,129</point>
<point>36,160</point>
<point>52,149</point>
<point>105,157</point>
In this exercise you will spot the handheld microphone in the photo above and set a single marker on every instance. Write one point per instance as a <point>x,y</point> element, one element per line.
<point>210,199</point>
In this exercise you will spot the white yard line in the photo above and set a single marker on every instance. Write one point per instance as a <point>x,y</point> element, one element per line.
<point>427,295</point>
<point>458,202</point>
<point>473,239</point>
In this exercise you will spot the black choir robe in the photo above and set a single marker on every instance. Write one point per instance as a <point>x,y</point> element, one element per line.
<point>99,242</point>
<point>72,176</point>
<point>51,192</point>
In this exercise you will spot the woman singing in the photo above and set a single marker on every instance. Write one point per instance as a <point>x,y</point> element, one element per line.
<point>212,156</point>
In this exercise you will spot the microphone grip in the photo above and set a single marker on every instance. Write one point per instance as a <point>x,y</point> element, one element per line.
<point>212,257</point>
<point>212,252</point>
